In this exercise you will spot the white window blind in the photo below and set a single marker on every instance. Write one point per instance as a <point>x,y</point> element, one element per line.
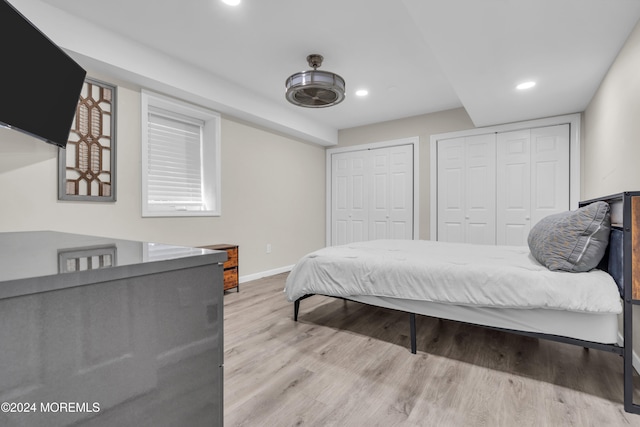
<point>174,169</point>
<point>180,158</point>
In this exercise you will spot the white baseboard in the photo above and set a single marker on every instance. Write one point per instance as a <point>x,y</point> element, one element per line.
<point>256,276</point>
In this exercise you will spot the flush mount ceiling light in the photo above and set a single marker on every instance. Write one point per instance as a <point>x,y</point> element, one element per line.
<point>315,88</point>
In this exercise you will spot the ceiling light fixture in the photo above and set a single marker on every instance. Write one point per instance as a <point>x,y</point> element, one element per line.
<point>525,85</point>
<point>362,92</point>
<point>231,2</point>
<point>315,88</point>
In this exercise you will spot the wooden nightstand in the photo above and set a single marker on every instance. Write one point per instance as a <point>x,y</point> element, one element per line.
<point>231,279</point>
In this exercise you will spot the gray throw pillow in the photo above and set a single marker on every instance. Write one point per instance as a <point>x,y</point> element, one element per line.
<point>573,241</point>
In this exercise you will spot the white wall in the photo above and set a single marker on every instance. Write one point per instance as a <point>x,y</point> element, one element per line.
<point>273,190</point>
<point>611,138</point>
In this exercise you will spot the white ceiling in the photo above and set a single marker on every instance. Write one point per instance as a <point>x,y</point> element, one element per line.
<point>414,56</point>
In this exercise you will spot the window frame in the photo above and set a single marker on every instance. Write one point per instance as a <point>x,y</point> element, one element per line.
<point>210,155</point>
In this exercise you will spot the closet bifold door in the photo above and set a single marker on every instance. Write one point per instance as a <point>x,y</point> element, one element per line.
<point>467,189</point>
<point>391,193</point>
<point>532,180</point>
<point>451,190</point>
<point>513,213</point>
<point>349,176</point>
<point>372,194</point>
<point>549,171</point>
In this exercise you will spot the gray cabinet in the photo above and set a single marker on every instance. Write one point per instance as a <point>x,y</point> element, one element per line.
<point>103,332</point>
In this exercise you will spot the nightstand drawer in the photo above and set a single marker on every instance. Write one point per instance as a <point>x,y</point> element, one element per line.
<point>230,278</point>
<point>232,260</point>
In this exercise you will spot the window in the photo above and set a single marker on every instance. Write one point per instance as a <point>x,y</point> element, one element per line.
<point>180,158</point>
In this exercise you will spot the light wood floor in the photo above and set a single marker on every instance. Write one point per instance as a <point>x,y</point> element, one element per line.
<point>348,364</point>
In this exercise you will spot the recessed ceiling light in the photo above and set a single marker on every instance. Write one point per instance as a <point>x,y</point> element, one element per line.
<point>525,85</point>
<point>231,2</point>
<point>362,92</point>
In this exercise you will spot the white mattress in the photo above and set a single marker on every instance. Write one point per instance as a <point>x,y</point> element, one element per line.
<point>450,273</point>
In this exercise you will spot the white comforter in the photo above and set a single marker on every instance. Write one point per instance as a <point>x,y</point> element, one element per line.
<point>451,273</point>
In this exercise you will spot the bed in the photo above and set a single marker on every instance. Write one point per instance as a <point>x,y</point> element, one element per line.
<point>570,284</point>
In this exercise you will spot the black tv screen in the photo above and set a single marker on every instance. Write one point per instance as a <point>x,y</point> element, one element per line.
<point>39,83</point>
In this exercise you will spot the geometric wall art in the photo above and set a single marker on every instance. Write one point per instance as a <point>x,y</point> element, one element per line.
<point>87,167</point>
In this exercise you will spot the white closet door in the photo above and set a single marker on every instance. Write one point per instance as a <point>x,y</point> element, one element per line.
<point>391,204</point>
<point>372,194</point>
<point>349,196</point>
<point>537,168</point>
<point>533,180</point>
<point>379,210</point>
<point>451,190</point>
<point>514,187</point>
<point>549,171</point>
<point>466,189</point>
<point>401,189</point>
<point>480,215</point>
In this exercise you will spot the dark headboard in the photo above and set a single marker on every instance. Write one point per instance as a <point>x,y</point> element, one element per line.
<point>612,262</point>
<point>621,259</point>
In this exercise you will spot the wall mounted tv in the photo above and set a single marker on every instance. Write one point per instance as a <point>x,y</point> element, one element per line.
<point>39,83</point>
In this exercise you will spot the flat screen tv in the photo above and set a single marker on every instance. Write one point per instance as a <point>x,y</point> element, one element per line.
<point>39,83</point>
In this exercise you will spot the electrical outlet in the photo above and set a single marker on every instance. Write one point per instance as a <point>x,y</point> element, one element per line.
<point>268,248</point>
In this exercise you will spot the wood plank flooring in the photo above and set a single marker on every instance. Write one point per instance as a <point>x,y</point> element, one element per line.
<point>349,364</point>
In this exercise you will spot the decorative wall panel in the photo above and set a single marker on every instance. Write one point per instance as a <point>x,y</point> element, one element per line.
<point>87,165</point>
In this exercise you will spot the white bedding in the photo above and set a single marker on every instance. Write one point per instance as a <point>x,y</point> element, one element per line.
<point>450,273</point>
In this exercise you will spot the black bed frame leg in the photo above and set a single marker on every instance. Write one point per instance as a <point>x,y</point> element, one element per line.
<point>296,309</point>
<point>412,331</point>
